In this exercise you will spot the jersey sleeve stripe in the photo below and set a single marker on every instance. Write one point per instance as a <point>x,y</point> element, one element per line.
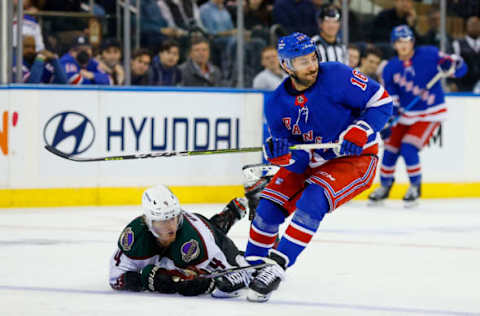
<point>76,79</point>
<point>380,97</point>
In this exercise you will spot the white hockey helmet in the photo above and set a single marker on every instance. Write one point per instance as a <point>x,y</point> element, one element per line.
<point>160,204</point>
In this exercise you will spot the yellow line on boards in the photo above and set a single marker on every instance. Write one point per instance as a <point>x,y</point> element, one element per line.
<point>50,197</point>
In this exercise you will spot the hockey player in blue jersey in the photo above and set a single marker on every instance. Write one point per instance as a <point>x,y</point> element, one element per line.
<point>319,103</point>
<point>405,77</point>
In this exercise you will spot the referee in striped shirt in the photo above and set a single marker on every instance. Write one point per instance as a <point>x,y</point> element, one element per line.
<point>328,43</point>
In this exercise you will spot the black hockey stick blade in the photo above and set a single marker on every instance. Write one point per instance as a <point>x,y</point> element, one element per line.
<point>61,154</point>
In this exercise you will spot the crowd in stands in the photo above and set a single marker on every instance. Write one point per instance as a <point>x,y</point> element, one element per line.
<point>194,43</point>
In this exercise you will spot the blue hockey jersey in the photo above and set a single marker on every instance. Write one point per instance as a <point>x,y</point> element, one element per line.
<point>72,69</point>
<point>41,72</point>
<point>340,97</point>
<point>405,81</point>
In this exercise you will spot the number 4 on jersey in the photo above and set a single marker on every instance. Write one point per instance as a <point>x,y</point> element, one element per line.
<point>359,80</point>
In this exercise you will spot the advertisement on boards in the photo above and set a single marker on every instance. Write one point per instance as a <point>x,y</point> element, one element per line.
<point>100,123</point>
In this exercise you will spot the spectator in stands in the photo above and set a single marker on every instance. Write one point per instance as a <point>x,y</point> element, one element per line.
<point>63,25</point>
<point>272,75</point>
<point>403,12</point>
<point>370,62</point>
<point>257,14</point>
<point>257,18</point>
<point>182,14</point>
<point>216,19</point>
<point>329,45</point>
<point>219,25</point>
<point>432,37</point>
<point>39,67</point>
<point>295,16</point>
<point>469,48</point>
<point>110,60</point>
<point>80,67</point>
<point>165,70</point>
<point>140,66</point>
<point>353,55</point>
<point>29,27</point>
<point>154,26</point>
<point>31,6</point>
<point>197,71</point>
<point>464,8</point>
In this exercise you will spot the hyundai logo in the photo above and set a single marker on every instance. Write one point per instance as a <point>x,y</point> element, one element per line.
<point>70,132</point>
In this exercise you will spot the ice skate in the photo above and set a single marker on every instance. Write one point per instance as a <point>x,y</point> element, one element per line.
<point>268,279</point>
<point>378,197</point>
<point>229,285</point>
<point>411,197</point>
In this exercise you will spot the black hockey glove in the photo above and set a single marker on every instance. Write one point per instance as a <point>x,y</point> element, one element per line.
<point>129,281</point>
<point>156,279</point>
<point>196,286</point>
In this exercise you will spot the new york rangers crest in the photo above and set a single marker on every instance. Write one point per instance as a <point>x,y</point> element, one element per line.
<point>408,65</point>
<point>300,100</point>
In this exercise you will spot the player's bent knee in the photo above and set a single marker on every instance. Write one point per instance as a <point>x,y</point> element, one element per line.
<point>408,149</point>
<point>314,202</point>
<point>269,212</point>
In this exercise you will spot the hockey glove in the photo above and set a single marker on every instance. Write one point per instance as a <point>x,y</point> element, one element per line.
<point>157,279</point>
<point>449,63</point>
<point>195,287</point>
<point>255,179</point>
<point>386,132</point>
<point>129,281</point>
<point>277,152</point>
<point>354,138</point>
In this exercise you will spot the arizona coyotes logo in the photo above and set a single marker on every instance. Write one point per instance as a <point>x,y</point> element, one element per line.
<point>287,121</point>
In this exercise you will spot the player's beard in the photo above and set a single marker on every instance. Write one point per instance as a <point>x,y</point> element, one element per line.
<point>306,82</point>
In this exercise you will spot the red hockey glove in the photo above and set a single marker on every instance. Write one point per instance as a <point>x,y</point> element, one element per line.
<point>277,152</point>
<point>354,138</point>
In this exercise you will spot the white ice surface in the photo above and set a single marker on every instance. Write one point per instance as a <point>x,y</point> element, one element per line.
<point>363,261</point>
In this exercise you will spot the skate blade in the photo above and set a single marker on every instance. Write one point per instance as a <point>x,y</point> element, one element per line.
<point>410,204</point>
<point>221,294</point>
<point>372,203</point>
<point>256,297</point>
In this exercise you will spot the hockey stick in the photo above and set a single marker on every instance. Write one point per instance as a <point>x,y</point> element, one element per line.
<point>440,74</point>
<point>61,154</point>
<point>216,274</point>
<point>266,262</point>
